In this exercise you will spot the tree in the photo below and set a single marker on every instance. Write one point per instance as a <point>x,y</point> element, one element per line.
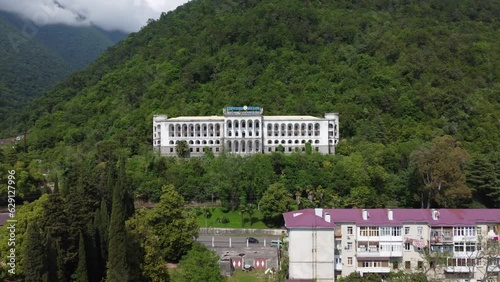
<point>401,276</point>
<point>55,264</point>
<point>182,149</point>
<point>81,273</point>
<point>274,203</point>
<point>199,264</point>
<point>172,224</point>
<point>250,209</point>
<point>440,167</point>
<point>362,197</point>
<point>117,269</point>
<point>165,233</point>
<point>35,262</point>
<point>356,277</point>
<point>483,179</point>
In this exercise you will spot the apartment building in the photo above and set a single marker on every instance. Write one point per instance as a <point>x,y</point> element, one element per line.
<point>245,130</point>
<point>446,244</point>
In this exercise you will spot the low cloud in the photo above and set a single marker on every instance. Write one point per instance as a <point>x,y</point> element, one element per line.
<point>125,15</point>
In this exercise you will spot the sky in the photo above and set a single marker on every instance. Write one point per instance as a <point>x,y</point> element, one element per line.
<point>124,15</point>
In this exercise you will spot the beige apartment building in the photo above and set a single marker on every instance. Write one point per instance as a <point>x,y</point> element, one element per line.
<point>447,244</point>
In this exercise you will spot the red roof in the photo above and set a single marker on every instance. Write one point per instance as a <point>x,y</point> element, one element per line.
<point>307,218</point>
<point>379,217</point>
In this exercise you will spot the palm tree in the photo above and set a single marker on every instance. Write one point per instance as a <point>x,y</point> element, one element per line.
<point>250,208</point>
<point>182,149</point>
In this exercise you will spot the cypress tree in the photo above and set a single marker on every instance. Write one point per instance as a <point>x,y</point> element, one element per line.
<point>93,251</point>
<point>56,185</point>
<point>34,263</point>
<point>61,277</point>
<point>117,269</point>
<point>54,266</point>
<point>104,229</point>
<point>81,273</point>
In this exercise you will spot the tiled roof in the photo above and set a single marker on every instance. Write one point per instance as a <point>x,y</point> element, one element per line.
<point>3,218</point>
<point>379,217</point>
<point>306,218</point>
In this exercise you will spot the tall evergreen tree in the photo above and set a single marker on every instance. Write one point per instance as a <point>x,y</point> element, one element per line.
<point>117,268</point>
<point>34,264</point>
<point>101,231</point>
<point>81,273</point>
<point>53,257</point>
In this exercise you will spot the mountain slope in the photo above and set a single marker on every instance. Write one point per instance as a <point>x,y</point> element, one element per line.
<point>394,72</point>
<point>33,59</point>
<point>77,45</point>
<point>24,69</point>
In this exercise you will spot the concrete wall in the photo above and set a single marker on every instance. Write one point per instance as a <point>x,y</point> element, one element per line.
<point>276,232</point>
<point>312,255</point>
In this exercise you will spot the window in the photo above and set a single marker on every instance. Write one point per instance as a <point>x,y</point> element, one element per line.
<point>396,231</point>
<point>368,231</point>
<point>420,264</point>
<point>385,231</point>
<point>349,230</point>
<point>464,231</point>
<point>407,264</point>
<point>395,265</point>
<point>407,230</point>
<point>420,231</point>
<point>407,246</point>
<point>349,245</point>
<point>349,261</point>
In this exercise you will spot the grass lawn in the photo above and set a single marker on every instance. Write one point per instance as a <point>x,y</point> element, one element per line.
<point>251,276</point>
<point>234,218</point>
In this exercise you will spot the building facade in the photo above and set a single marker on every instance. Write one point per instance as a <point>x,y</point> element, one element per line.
<point>245,130</point>
<point>446,244</point>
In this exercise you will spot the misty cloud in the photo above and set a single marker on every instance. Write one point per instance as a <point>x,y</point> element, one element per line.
<point>125,15</point>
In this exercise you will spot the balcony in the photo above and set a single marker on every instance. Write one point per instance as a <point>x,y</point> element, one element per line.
<point>470,254</point>
<point>493,268</point>
<point>374,269</point>
<point>460,269</point>
<point>464,238</point>
<point>338,263</point>
<point>442,239</point>
<point>379,250</point>
<point>375,254</point>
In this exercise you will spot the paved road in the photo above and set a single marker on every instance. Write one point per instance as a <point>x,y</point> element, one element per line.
<point>236,241</point>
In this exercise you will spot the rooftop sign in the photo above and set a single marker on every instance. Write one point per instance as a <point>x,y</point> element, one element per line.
<point>243,111</point>
<point>244,108</point>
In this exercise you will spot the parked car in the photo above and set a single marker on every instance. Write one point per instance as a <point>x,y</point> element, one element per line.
<point>276,243</point>
<point>252,240</point>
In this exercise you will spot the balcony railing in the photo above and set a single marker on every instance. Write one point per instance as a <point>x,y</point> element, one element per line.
<point>374,269</point>
<point>460,269</point>
<point>493,268</point>
<point>373,253</point>
<point>465,254</point>
<point>441,239</point>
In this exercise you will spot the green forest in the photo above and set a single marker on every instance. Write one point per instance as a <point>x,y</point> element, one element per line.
<point>415,83</point>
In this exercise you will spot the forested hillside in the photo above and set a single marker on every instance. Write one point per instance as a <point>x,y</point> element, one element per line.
<point>398,74</point>
<point>26,70</point>
<point>33,58</point>
<point>416,85</point>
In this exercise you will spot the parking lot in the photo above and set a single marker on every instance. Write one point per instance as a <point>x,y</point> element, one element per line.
<point>236,247</point>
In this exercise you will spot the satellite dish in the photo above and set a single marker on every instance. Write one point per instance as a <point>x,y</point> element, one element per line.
<point>245,108</point>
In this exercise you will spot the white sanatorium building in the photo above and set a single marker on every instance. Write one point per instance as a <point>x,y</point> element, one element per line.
<point>245,130</point>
